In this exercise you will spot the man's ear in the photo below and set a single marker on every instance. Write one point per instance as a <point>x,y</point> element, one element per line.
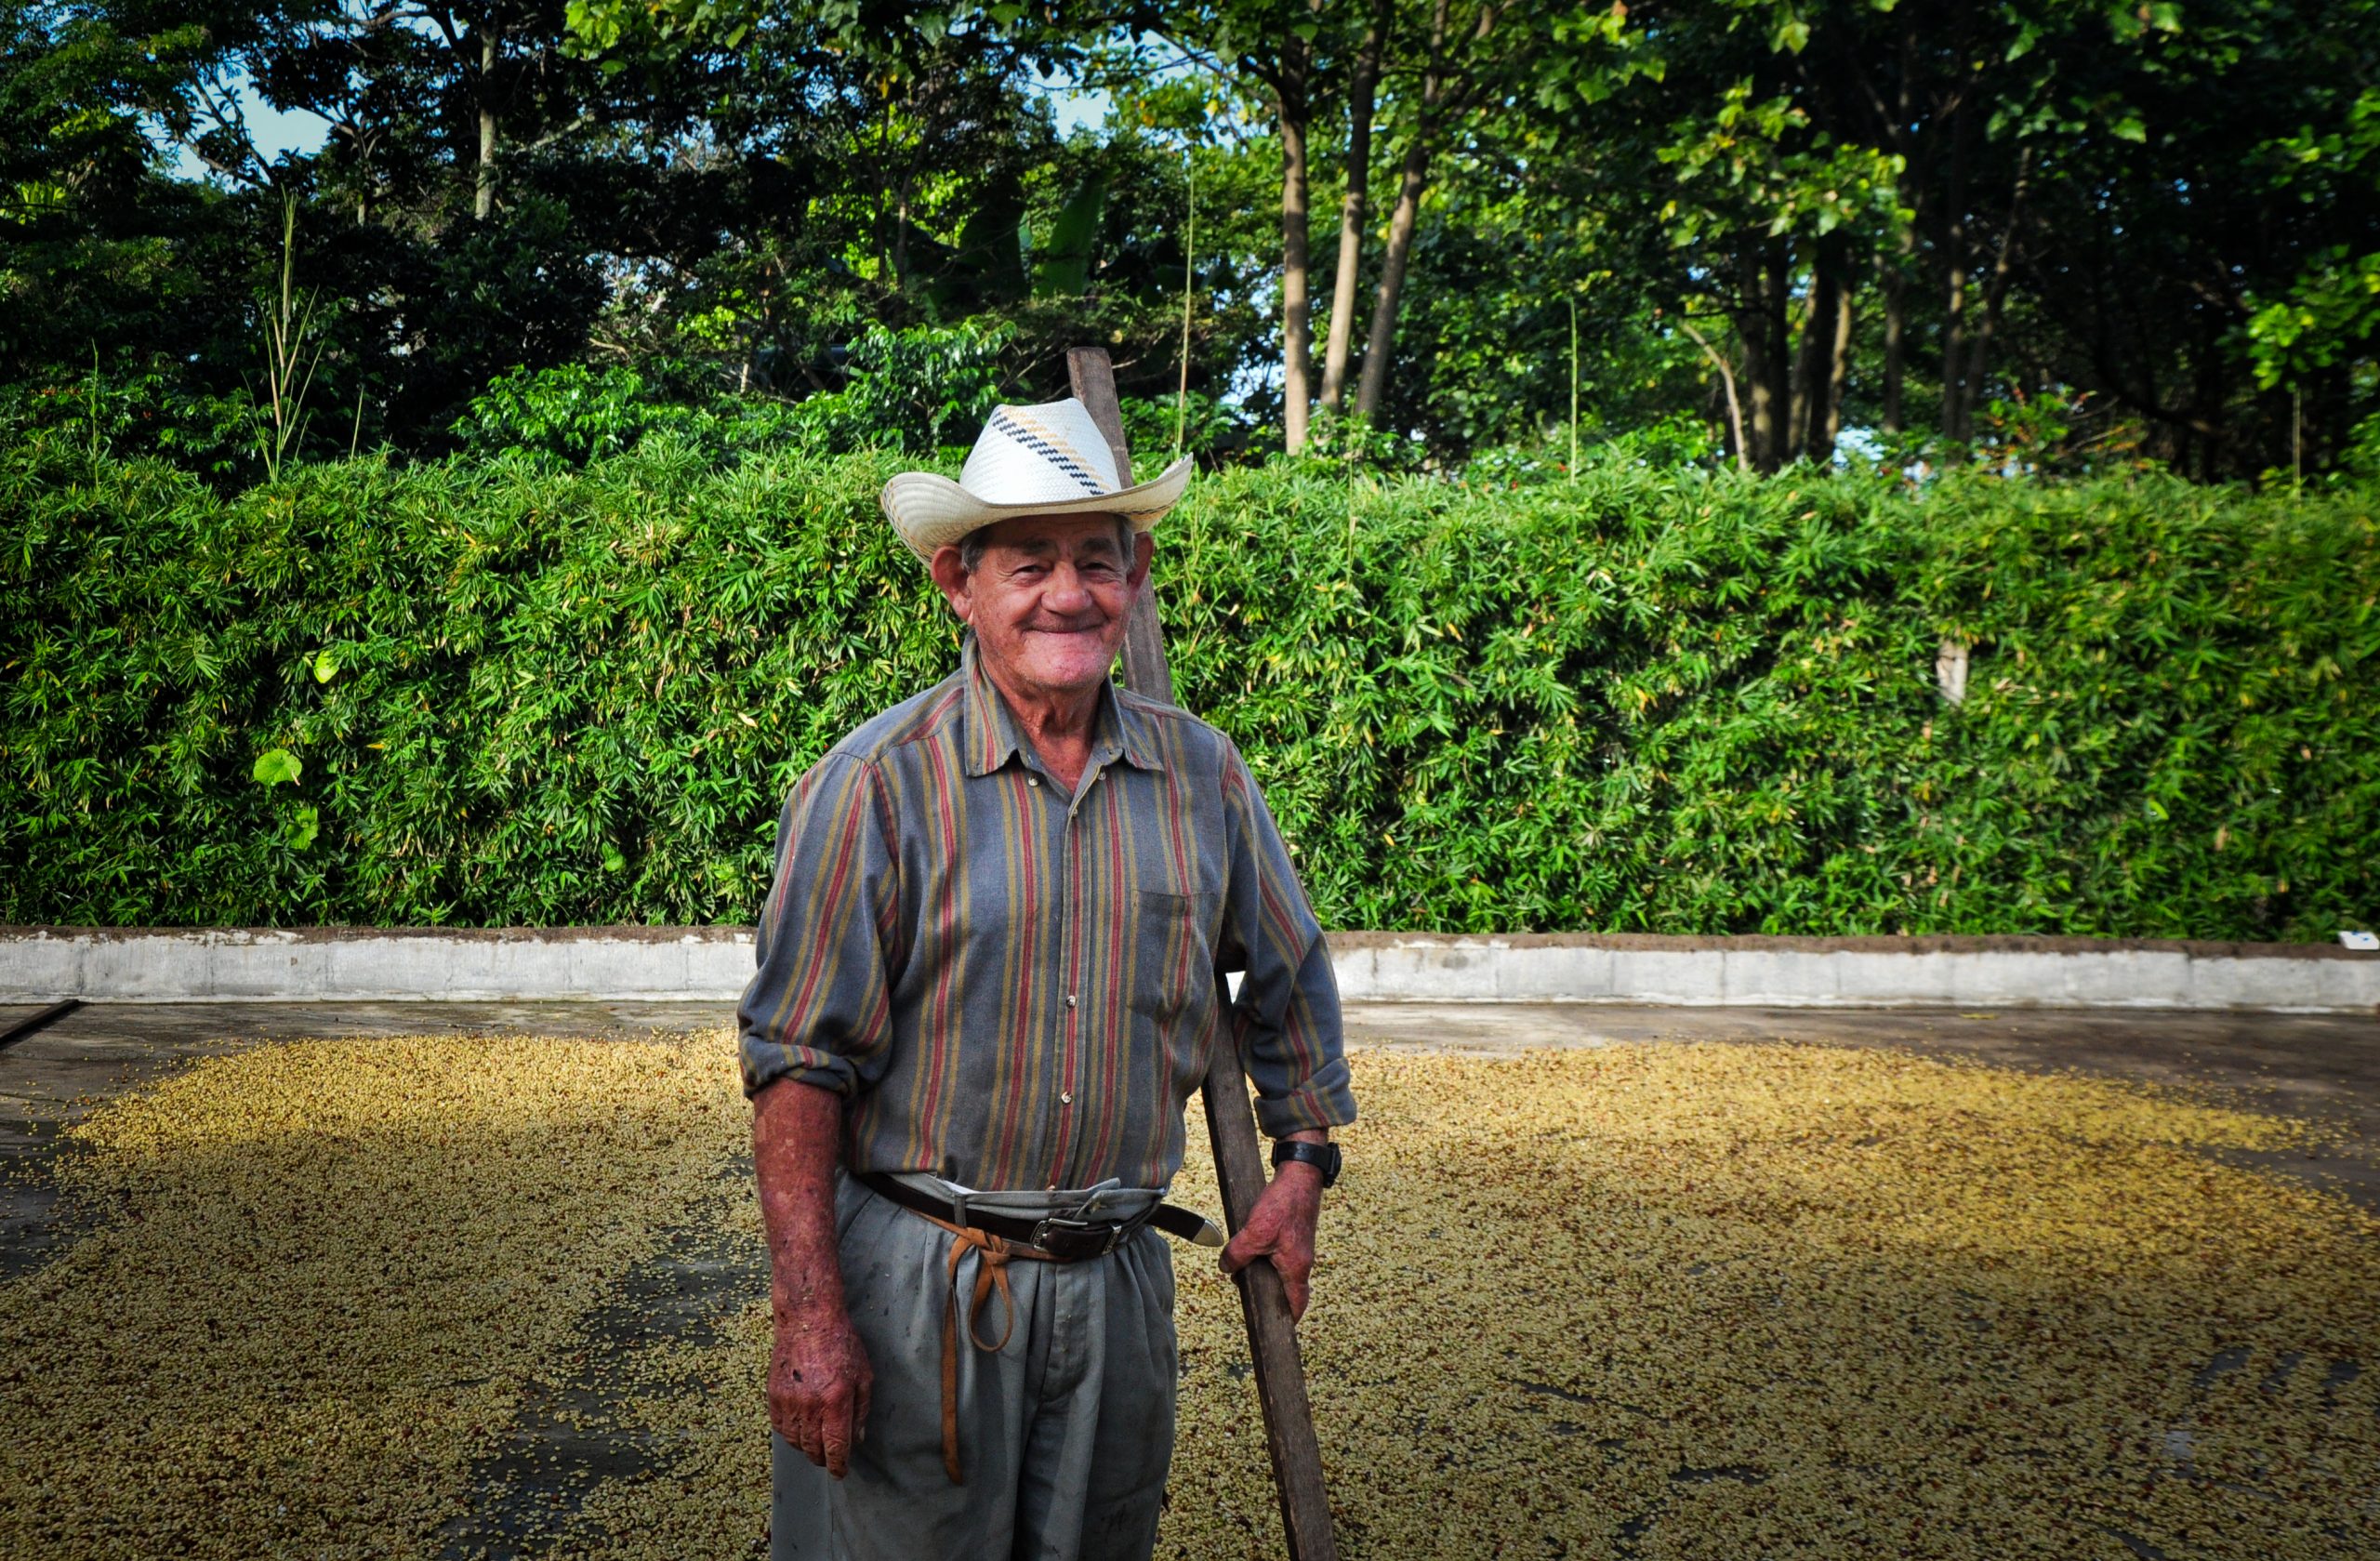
<point>1144,550</point>
<point>951,576</point>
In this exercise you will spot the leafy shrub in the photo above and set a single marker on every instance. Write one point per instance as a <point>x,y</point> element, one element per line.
<point>914,389</point>
<point>1211,430</point>
<point>1677,442</point>
<point>143,413</point>
<point>1645,700</point>
<point>572,415</point>
<point>910,391</point>
<point>2361,461</point>
<point>569,413</point>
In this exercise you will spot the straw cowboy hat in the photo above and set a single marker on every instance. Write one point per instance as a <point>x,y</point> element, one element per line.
<point>1029,460</point>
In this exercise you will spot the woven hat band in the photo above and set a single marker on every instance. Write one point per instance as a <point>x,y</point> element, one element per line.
<point>1049,460</point>
<point>1040,454</point>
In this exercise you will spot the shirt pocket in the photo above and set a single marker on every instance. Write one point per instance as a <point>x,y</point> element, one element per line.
<point>1174,943</point>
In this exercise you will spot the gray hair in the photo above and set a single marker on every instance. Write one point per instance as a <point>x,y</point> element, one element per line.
<point>972,546</point>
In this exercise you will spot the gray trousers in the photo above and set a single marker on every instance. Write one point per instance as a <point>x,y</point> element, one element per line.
<point>1064,1433</point>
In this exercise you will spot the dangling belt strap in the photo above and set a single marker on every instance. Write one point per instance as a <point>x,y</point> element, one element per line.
<point>991,1274</point>
<point>996,1238</point>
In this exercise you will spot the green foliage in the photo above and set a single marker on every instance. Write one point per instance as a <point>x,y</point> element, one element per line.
<point>1677,442</point>
<point>917,389</point>
<point>1061,260</point>
<point>2330,312</point>
<point>144,414</point>
<point>2362,460</point>
<point>1675,703</point>
<point>1208,431</point>
<point>569,413</point>
<point>1638,699</point>
<point>291,348</point>
<point>2172,211</point>
<point>2333,310</point>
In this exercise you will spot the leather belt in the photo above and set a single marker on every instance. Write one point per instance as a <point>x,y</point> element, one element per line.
<point>1065,1239</point>
<point>996,1238</point>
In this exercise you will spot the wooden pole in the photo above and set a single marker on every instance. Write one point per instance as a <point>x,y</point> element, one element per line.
<point>18,1029</point>
<point>1189,291</point>
<point>1230,1126</point>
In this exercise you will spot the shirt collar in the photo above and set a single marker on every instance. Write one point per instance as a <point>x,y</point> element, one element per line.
<point>990,736</point>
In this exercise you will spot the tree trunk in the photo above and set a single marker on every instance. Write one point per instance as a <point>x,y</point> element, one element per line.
<point>1764,321</point>
<point>1809,376</point>
<point>1778,269</point>
<point>1995,296</point>
<point>484,190</point>
<point>1727,383</point>
<point>1749,331</point>
<point>1404,221</point>
<point>1895,291</point>
<point>1956,425</point>
<point>892,205</point>
<point>2209,410</point>
<point>1830,426</point>
<point>1297,322</point>
<point>1819,373</point>
<point>1894,268</point>
<point>1363,86</point>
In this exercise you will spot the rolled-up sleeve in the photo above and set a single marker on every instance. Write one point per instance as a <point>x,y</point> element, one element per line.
<point>819,1006</point>
<point>1286,1018</point>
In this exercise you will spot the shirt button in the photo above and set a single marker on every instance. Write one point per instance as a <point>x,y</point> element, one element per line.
<point>1032,780</point>
<point>1065,1097</point>
<point>1070,999</point>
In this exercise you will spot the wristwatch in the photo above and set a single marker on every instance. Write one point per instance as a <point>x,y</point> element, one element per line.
<point>1324,1158</point>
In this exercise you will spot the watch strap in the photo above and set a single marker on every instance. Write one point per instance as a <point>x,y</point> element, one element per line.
<point>1324,1158</point>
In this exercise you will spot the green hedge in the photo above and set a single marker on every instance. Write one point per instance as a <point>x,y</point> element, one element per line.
<point>1643,701</point>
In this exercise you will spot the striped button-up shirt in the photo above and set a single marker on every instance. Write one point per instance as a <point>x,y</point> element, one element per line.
<point>1016,987</point>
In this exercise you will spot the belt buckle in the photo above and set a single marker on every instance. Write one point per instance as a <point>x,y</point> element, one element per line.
<point>1054,1233</point>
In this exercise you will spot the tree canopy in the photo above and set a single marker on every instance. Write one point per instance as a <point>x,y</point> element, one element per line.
<point>2078,232</point>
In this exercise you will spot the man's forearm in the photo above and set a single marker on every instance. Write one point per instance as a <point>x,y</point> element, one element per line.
<point>797,1141</point>
<point>819,1377</point>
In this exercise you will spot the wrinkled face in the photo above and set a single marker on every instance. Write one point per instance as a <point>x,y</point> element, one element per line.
<point>1047,598</point>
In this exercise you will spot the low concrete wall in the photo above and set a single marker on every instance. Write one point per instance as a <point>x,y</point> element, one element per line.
<point>712,963</point>
<point>1858,972</point>
<point>383,964</point>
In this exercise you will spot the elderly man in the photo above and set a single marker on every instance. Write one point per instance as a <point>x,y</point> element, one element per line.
<point>991,973</point>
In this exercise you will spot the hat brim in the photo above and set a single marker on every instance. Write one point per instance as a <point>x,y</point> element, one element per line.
<point>932,512</point>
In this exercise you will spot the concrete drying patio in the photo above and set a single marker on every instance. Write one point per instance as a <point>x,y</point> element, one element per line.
<point>1782,1328</point>
<point>2321,1066</point>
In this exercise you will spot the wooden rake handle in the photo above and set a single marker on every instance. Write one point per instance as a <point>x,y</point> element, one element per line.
<point>1230,1126</point>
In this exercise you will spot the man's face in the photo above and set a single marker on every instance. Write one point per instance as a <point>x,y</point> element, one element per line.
<point>1048,600</point>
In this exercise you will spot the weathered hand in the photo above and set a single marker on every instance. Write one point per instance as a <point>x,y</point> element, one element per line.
<point>1281,1227</point>
<point>819,1385</point>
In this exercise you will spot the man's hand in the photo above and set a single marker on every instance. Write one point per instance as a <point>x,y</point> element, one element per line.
<point>1281,1227</point>
<point>819,1385</point>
